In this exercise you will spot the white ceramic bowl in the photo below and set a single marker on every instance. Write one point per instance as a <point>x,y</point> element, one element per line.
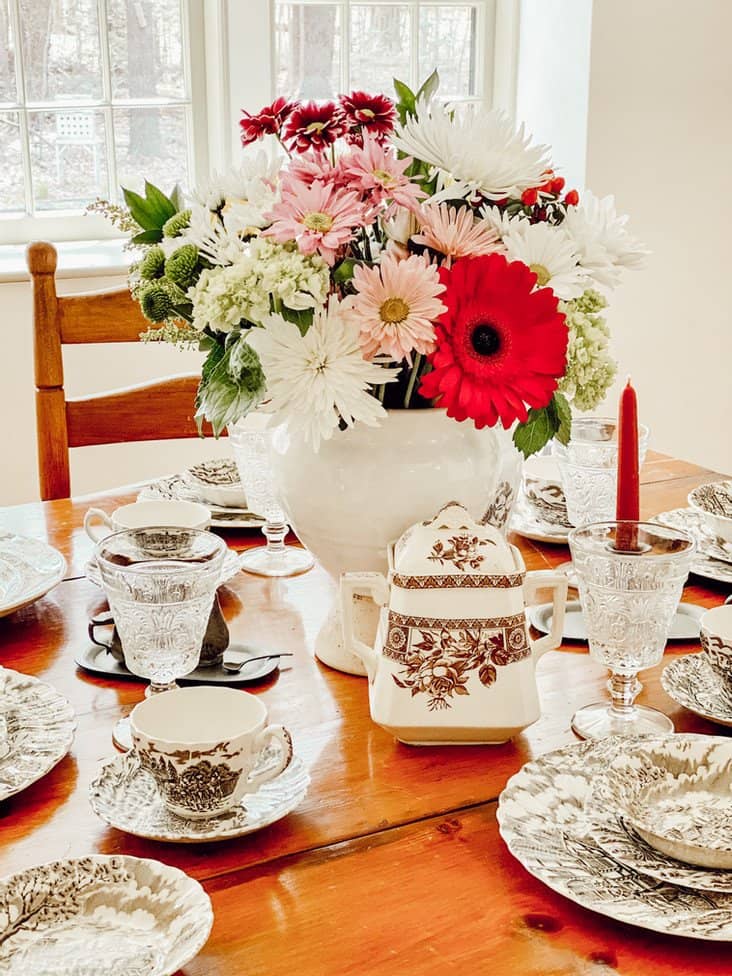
<point>217,482</point>
<point>714,503</point>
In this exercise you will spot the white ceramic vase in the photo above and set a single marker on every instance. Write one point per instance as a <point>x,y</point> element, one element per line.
<point>366,485</point>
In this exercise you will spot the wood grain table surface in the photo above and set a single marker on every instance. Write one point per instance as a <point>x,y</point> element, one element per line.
<point>393,863</point>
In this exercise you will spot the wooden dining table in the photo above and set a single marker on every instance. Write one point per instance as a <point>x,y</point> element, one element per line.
<point>393,863</point>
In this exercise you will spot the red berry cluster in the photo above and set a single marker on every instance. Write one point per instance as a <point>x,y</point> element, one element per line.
<point>301,126</point>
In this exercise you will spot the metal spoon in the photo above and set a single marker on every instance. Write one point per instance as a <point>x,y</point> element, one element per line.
<point>233,667</point>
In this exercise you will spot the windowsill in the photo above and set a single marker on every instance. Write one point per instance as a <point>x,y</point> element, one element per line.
<point>76,259</point>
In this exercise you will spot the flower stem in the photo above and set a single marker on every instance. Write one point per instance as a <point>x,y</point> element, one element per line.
<point>381,391</point>
<point>412,379</point>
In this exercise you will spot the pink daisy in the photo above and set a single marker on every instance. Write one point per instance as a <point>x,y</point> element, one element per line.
<point>320,218</point>
<point>376,170</point>
<point>395,305</point>
<point>310,166</point>
<point>455,232</point>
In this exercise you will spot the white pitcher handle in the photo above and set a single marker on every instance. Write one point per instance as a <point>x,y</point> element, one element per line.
<point>95,531</point>
<point>556,582</point>
<point>376,586</point>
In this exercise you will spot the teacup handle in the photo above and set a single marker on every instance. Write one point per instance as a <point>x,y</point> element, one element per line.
<point>96,532</point>
<point>557,582</point>
<point>251,783</point>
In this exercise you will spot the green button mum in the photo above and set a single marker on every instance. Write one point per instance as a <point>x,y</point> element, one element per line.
<point>182,266</point>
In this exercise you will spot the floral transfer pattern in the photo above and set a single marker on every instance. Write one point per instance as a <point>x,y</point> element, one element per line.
<point>439,656</point>
<point>461,551</point>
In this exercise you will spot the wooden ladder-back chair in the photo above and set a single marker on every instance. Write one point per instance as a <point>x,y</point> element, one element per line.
<point>158,410</point>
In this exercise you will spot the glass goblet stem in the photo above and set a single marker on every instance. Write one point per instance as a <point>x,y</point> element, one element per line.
<point>157,687</point>
<point>624,689</point>
<point>274,532</point>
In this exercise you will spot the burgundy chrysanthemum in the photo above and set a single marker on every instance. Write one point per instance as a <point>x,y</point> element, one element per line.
<point>501,346</point>
<point>367,113</point>
<point>268,121</point>
<point>313,126</point>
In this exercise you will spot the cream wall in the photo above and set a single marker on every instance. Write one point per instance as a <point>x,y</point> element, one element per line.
<point>88,370</point>
<point>660,138</point>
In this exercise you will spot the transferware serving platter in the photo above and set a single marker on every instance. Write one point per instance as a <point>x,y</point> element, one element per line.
<point>542,819</point>
<point>126,797</point>
<point>526,522</point>
<point>38,726</point>
<point>28,570</point>
<point>691,682</point>
<point>712,561</point>
<point>178,487</point>
<point>101,916</point>
<point>230,568</point>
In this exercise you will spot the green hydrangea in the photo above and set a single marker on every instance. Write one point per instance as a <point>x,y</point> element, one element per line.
<point>182,266</point>
<point>158,300</point>
<point>175,226</point>
<point>590,367</point>
<point>153,264</point>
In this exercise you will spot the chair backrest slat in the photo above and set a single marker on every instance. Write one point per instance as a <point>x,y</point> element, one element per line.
<point>160,410</point>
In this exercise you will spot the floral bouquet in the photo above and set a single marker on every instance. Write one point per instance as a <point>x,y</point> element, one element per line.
<point>374,254</point>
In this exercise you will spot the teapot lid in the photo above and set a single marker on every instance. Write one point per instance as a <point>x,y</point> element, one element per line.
<point>453,543</point>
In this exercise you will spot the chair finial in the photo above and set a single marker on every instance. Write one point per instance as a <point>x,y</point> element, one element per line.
<point>41,257</point>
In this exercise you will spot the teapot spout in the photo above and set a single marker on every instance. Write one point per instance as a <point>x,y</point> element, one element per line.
<point>353,587</point>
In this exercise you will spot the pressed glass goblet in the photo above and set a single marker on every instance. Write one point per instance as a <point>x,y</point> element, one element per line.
<point>628,600</point>
<point>252,456</point>
<point>160,583</point>
<point>589,468</point>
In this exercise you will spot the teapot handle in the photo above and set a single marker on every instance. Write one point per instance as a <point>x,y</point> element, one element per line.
<point>558,583</point>
<point>376,586</point>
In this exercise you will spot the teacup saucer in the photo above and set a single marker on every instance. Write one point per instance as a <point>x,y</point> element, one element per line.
<point>691,682</point>
<point>126,797</point>
<point>527,522</point>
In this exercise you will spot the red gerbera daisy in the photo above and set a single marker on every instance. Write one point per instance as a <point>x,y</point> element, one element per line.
<point>313,126</point>
<point>371,113</point>
<point>500,345</point>
<point>268,121</point>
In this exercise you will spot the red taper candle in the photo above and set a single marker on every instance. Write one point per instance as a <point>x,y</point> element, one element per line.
<point>627,507</point>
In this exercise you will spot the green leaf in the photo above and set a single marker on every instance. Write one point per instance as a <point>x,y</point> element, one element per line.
<point>428,88</point>
<point>148,236</point>
<point>161,206</point>
<point>139,209</point>
<point>406,101</point>
<point>563,417</point>
<point>176,198</point>
<point>302,318</point>
<point>232,383</point>
<point>343,272</point>
<point>537,431</point>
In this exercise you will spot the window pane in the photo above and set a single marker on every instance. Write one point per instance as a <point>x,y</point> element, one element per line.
<point>11,164</point>
<point>146,48</point>
<point>61,49</point>
<point>379,46</point>
<point>7,55</point>
<point>68,158</point>
<point>308,44</point>
<point>447,38</point>
<point>151,145</point>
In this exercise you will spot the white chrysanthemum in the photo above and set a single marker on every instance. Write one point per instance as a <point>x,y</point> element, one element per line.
<point>549,252</point>
<point>602,243</point>
<point>264,273</point>
<point>498,219</point>
<point>317,380</point>
<point>255,168</point>
<point>214,240</point>
<point>473,150</point>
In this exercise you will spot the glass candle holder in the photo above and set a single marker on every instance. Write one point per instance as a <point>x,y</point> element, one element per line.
<point>252,456</point>
<point>629,600</point>
<point>160,583</point>
<point>589,468</point>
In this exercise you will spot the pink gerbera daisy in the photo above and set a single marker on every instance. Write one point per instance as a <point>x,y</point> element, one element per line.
<point>319,217</point>
<point>395,305</point>
<point>376,170</point>
<point>455,232</point>
<point>310,166</point>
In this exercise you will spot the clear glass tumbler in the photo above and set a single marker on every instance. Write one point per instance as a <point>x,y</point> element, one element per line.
<point>589,468</point>
<point>160,583</point>
<point>629,600</point>
<point>252,456</point>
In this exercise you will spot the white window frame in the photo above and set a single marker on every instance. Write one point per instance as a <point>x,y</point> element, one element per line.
<point>60,225</point>
<point>231,66</point>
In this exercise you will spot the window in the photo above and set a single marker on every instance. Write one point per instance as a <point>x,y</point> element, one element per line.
<point>93,94</point>
<point>324,48</point>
